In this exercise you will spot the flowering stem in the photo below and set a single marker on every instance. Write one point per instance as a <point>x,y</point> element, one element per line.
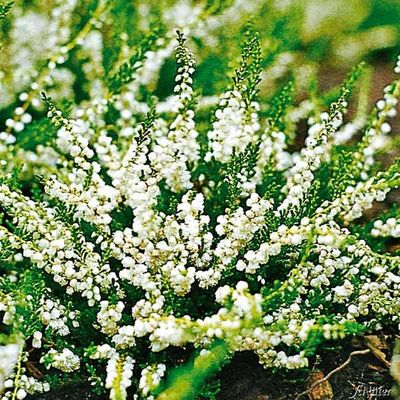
<point>18,374</point>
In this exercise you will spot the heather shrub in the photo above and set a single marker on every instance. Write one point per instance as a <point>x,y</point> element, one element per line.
<point>146,225</point>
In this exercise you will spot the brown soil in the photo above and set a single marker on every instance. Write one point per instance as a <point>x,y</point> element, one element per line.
<point>245,379</point>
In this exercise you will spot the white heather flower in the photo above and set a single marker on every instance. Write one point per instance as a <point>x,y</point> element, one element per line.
<point>390,228</point>
<point>119,374</point>
<point>65,360</point>
<point>237,229</point>
<point>109,315</point>
<point>67,268</point>
<point>103,351</point>
<point>151,378</point>
<point>37,339</point>
<point>342,293</point>
<point>125,337</point>
<point>235,126</point>
<point>353,310</point>
<point>8,359</point>
<point>176,147</point>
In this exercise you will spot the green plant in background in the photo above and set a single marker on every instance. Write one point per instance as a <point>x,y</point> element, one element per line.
<point>5,9</point>
<point>155,211</point>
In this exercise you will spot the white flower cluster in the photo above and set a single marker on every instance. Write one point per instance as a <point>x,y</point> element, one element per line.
<point>272,153</point>
<point>54,248</point>
<point>389,228</point>
<point>235,126</point>
<point>119,374</point>
<point>238,228</point>
<point>64,360</point>
<point>57,48</point>
<point>376,135</point>
<point>294,236</point>
<point>109,315</point>
<point>55,316</point>
<point>93,204</point>
<point>301,174</point>
<point>8,359</point>
<point>17,384</point>
<point>176,146</point>
<point>42,35</point>
<point>150,378</point>
<point>358,198</point>
<point>7,303</point>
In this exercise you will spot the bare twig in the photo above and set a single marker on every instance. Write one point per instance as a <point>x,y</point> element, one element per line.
<point>375,344</point>
<point>328,376</point>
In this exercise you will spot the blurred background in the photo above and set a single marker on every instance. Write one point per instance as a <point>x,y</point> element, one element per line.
<point>300,39</point>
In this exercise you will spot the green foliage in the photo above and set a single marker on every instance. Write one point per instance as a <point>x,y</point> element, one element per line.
<point>247,76</point>
<point>185,381</point>
<point>126,71</point>
<point>278,106</point>
<point>240,165</point>
<point>5,9</point>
